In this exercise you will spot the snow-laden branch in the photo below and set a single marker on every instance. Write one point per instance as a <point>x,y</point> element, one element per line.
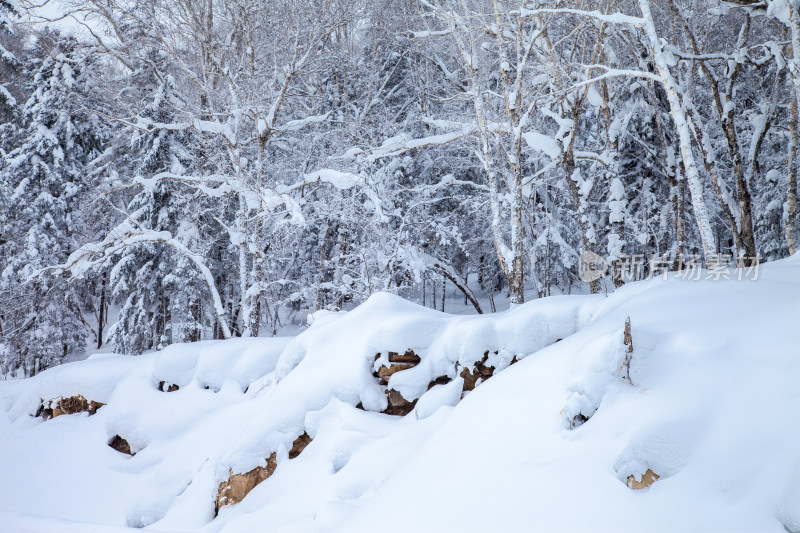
<point>612,18</point>
<point>447,181</point>
<point>430,33</point>
<point>450,273</point>
<point>203,126</point>
<point>400,144</point>
<point>298,124</point>
<point>614,73</point>
<point>340,180</point>
<point>202,184</point>
<point>10,100</point>
<point>127,235</point>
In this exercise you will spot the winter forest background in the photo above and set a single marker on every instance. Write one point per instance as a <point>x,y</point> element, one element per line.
<point>198,169</point>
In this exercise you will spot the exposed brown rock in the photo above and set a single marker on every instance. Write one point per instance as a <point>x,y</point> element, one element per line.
<point>237,486</point>
<point>408,357</point>
<point>397,363</point>
<point>485,371</point>
<point>385,372</point>
<point>72,405</point>
<point>44,411</point>
<point>470,379</point>
<point>398,405</point>
<point>121,445</point>
<point>578,420</point>
<point>441,380</point>
<point>648,478</point>
<point>299,445</point>
<point>170,387</point>
<point>479,372</point>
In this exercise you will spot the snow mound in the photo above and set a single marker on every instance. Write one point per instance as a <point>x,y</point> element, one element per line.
<point>547,443</point>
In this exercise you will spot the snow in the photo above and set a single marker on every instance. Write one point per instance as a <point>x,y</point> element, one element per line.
<point>616,201</point>
<point>9,98</point>
<point>712,409</point>
<point>780,10</point>
<point>340,180</point>
<point>542,143</point>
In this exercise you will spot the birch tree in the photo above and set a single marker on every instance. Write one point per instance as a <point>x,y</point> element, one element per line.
<point>494,47</point>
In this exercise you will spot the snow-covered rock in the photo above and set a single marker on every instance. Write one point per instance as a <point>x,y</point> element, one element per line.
<point>708,422</point>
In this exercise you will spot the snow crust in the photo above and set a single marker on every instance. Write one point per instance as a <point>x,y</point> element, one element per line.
<point>713,408</point>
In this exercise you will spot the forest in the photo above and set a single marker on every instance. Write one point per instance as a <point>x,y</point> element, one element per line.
<point>182,170</point>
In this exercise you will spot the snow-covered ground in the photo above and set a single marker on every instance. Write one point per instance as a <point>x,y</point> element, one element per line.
<point>713,408</point>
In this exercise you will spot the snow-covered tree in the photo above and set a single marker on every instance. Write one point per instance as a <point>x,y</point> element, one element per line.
<point>43,181</point>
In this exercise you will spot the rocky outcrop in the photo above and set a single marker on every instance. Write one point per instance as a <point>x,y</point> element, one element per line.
<point>299,445</point>
<point>121,445</point>
<point>385,372</point>
<point>480,372</point>
<point>477,374</point>
<point>648,478</point>
<point>397,362</point>
<point>237,486</point>
<point>398,405</point>
<point>67,406</point>
<point>408,357</point>
<point>165,386</point>
<point>578,420</point>
<point>441,380</point>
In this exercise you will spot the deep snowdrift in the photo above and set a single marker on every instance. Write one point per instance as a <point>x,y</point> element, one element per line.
<point>713,409</point>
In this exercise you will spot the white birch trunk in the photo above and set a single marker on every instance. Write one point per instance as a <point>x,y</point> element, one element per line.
<point>684,134</point>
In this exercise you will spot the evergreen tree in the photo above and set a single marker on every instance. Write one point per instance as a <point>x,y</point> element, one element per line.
<point>146,279</point>
<point>43,180</point>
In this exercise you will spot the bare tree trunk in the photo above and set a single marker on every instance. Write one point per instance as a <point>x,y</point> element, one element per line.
<point>794,66</point>
<point>101,312</point>
<point>255,318</point>
<point>741,228</point>
<point>158,323</point>
<point>244,272</point>
<point>194,315</point>
<point>677,188</point>
<point>681,125</point>
<point>511,258</point>
<point>460,283</point>
<point>583,224</point>
<point>516,279</point>
<point>321,277</point>
<point>166,312</point>
<point>790,223</point>
<point>680,223</point>
<point>343,237</point>
<point>612,140</point>
<point>790,207</point>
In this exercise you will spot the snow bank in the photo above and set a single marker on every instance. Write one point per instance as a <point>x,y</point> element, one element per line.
<point>546,444</point>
